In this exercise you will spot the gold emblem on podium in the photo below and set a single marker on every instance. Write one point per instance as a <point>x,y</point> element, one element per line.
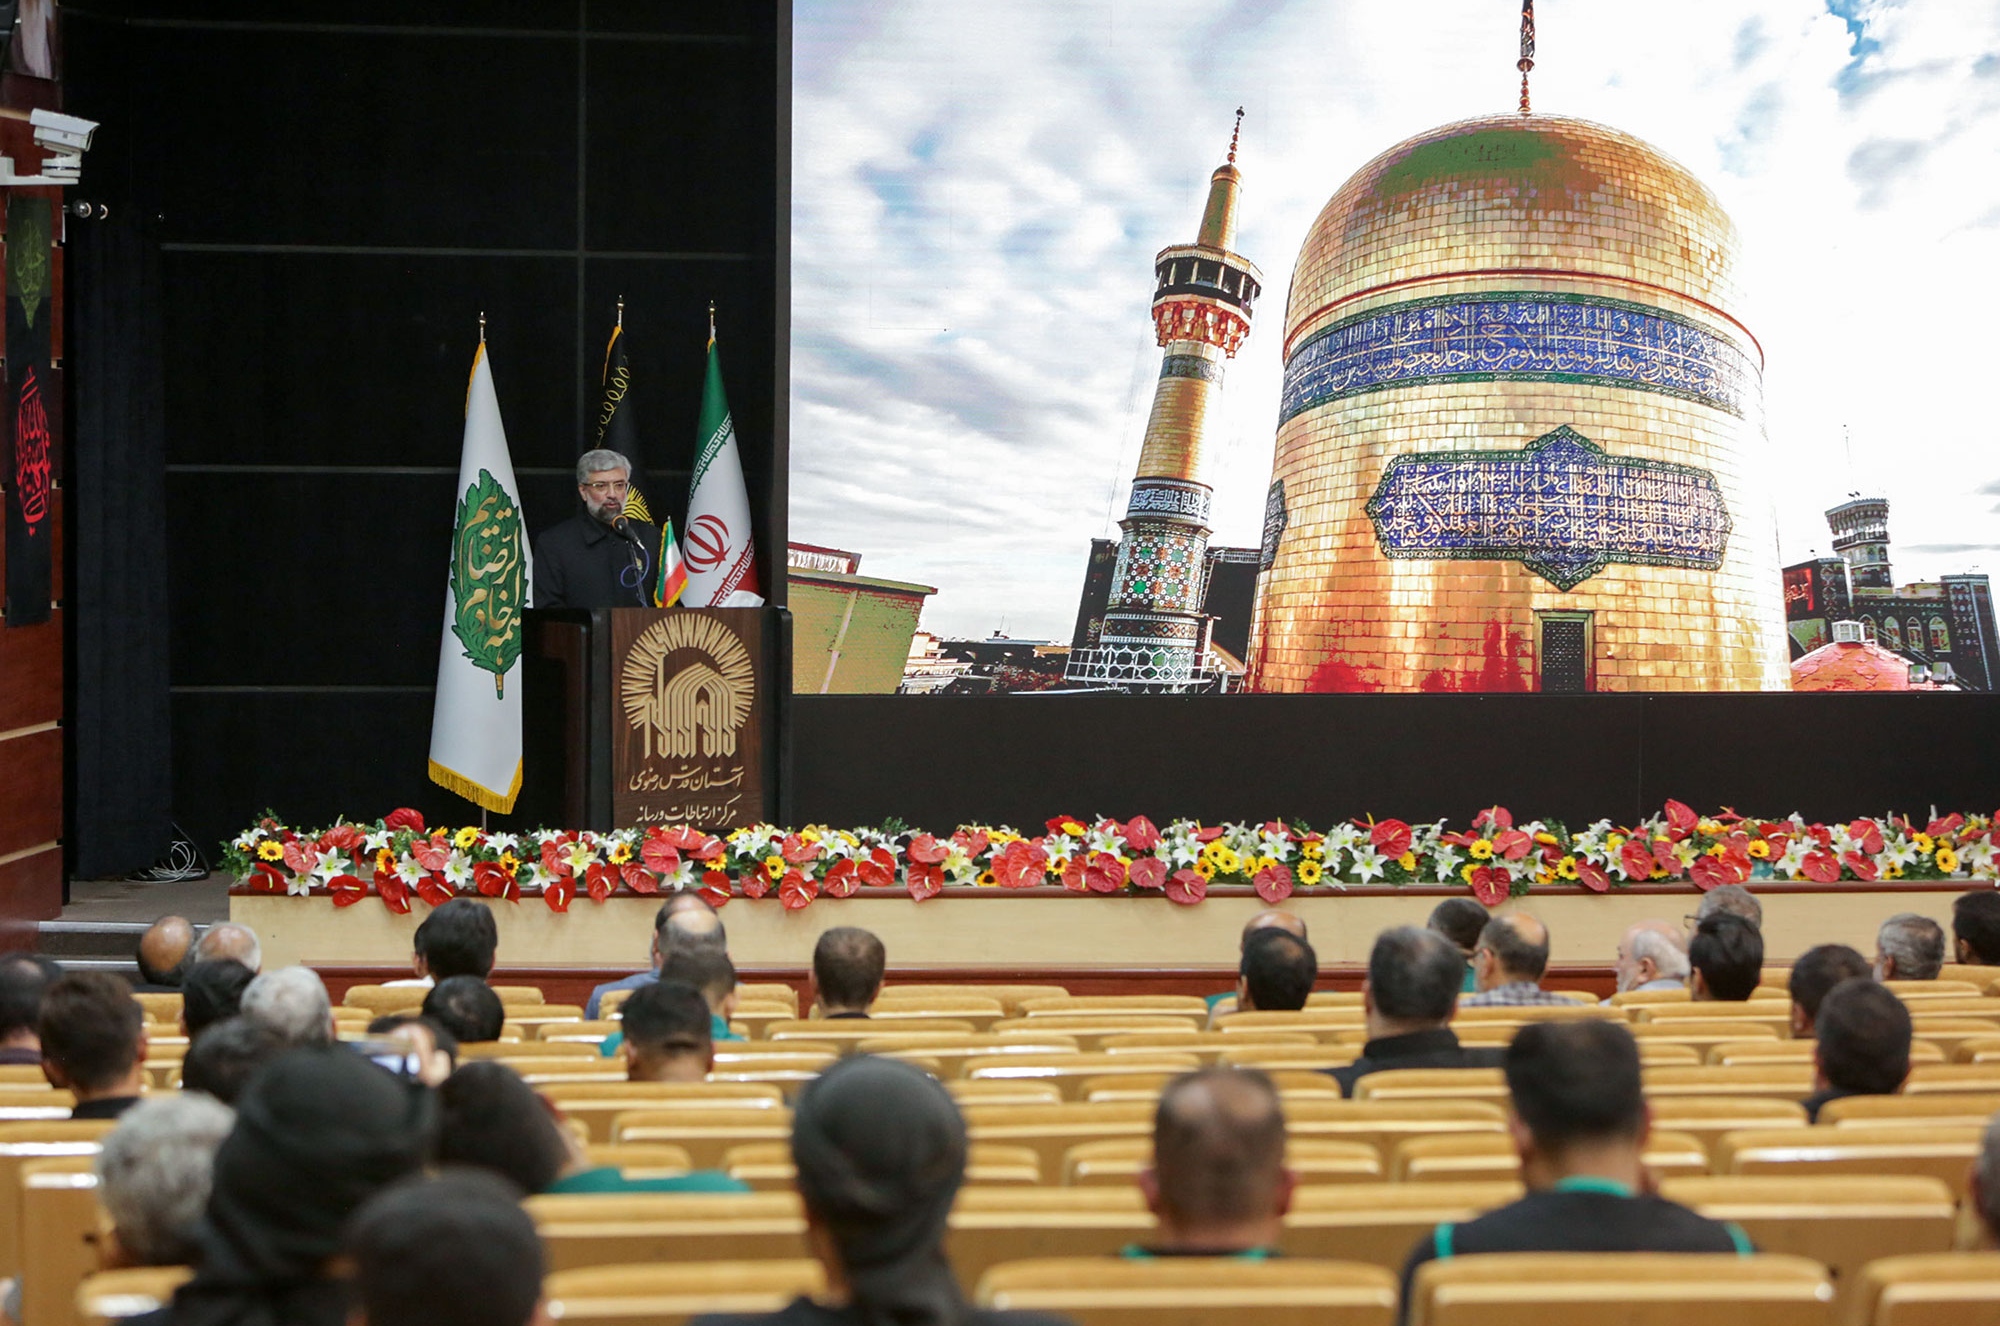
<point>687,688</point>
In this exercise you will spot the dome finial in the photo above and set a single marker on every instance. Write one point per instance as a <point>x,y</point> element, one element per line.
<point>1234,134</point>
<point>1527,60</point>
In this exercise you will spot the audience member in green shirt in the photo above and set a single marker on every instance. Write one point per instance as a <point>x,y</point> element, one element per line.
<point>1218,1184</point>
<point>1460,920</point>
<point>1272,918</point>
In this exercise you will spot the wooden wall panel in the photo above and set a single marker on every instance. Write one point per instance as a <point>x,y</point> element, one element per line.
<point>31,790</point>
<point>31,890</point>
<point>31,674</point>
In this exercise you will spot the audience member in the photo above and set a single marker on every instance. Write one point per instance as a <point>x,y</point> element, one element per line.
<point>479,1262</point>
<point>292,1002</point>
<point>710,971</point>
<point>1727,955</point>
<point>684,920</point>
<point>1985,1192</point>
<point>848,963</point>
<point>153,1177</point>
<point>1271,918</point>
<point>166,951</point>
<point>1975,928</point>
<point>667,1034</point>
<point>1909,947</point>
<point>1409,997</point>
<point>1862,1044</point>
<point>466,1007</point>
<point>880,1152</point>
<point>24,979</point>
<point>1276,972</point>
<point>1460,920</point>
<point>1817,971</point>
<point>318,1132</point>
<point>94,1042</point>
<point>1508,962</point>
<point>211,992</point>
<point>1580,1125</point>
<point>227,1055</point>
<point>1651,957</point>
<point>229,939</point>
<point>434,1049</point>
<point>493,1120</point>
<point>458,938</point>
<point>1218,1183</point>
<point>1733,899</point>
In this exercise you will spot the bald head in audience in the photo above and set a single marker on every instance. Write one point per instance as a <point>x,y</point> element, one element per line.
<point>1218,1183</point>
<point>165,951</point>
<point>1272,918</point>
<point>227,939</point>
<point>1513,950</point>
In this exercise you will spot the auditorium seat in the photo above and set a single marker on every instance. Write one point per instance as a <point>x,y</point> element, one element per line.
<point>1926,1079</point>
<point>578,1033</point>
<point>1053,1129</point>
<point>1011,997</point>
<point>952,1049</point>
<point>1699,1034</point>
<point>768,1165</point>
<point>511,995</point>
<point>1939,988</point>
<point>530,1018</point>
<point>1708,1119</point>
<point>1170,1292</point>
<point>689,1228</point>
<point>1002,1091</point>
<point>1193,1006</point>
<point>1312,1159</point>
<point>1948,1031</point>
<point>754,1052</point>
<point>113,1296</point>
<point>541,1070</point>
<point>1840,1221</point>
<point>1936,1109</point>
<point>1935,1289</point>
<point>1777,1080</point>
<point>1379,1223</point>
<point>1631,1289</point>
<point>1382,1124</point>
<point>1350,998</point>
<point>640,1160</point>
<point>1280,1058</point>
<point>536,1049</point>
<point>1974,1050</point>
<point>753,1019</point>
<point>598,1104</point>
<point>377,1000</point>
<point>667,1295</point>
<point>1292,1084</point>
<point>1071,1071</point>
<point>59,1228</point>
<point>1208,1044</point>
<point>1779,990</point>
<point>1744,1054</point>
<point>766,992</point>
<point>1002,1224</point>
<point>24,1105</point>
<point>1090,1030</point>
<point>789,1073</point>
<point>21,1143</point>
<point>1628,999</point>
<point>23,1075</point>
<point>1317,1021</point>
<point>1432,1084</point>
<point>981,1011</point>
<point>1942,1152</point>
<point>1773,1013</point>
<point>1457,1158</point>
<point>846,1032</point>
<point>1981,978</point>
<point>163,1006</point>
<point>1524,1013</point>
<point>1663,1052</point>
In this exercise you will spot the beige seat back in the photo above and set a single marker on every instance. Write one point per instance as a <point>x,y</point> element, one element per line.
<point>1119,1161</point>
<point>596,1105</point>
<point>1432,1084</point>
<point>1194,1291</point>
<point>994,1225</point>
<point>21,1143</point>
<point>1631,1289</point>
<point>1051,1130</point>
<point>1011,997</point>
<point>1941,1109</point>
<point>1464,1157</point>
<point>1939,1289</point>
<point>1380,1222</point>
<point>590,1230</point>
<point>670,1295</point>
<point>113,1296</point>
<point>706,1134</point>
<point>59,1226</point>
<point>1941,1153</point>
<point>1708,1118</point>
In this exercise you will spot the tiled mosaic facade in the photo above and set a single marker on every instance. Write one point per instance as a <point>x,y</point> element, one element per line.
<point>1474,290</point>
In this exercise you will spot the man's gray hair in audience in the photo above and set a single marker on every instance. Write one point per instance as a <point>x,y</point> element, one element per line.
<point>1731,898</point>
<point>229,939</point>
<point>291,1001</point>
<point>155,1171</point>
<point>1914,943</point>
<point>1670,960</point>
<point>1414,975</point>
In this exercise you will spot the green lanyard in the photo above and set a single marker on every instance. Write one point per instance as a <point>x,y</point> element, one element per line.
<point>1589,1183</point>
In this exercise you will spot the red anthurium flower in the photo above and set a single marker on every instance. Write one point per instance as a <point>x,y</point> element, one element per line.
<point>346,890</point>
<point>1709,872</point>
<point>1072,875</point>
<point>926,850</point>
<point>795,890</point>
<point>1103,873</point>
<point>681,838</point>
<point>1664,858</point>
<point>599,879</point>
<point>1592,876</point>
<point>842,880</point>
<point>430,854</point>
<point>1055,826</point>
<point>403,818</point>
<point>797,851</point>
<point>1820,867</point>
<point>1637,859</point>
<point>1869,835</point>
<point>490,878</point>
<point>878,869</point>
<point>1681,819</point>
<point>1494,817</point>
<point>637,878</point>
<point>394,893</point>
<point>1947,826</point>
<point>344,836</point>
<point>266,879</point>
<point>755,884</point>
<point>971,841</point>
<point>1510,843</point>
<point>926,880</point>
<point>433,890</point>
<point>1019,865</point>
<point>1186,887</point>
<point>708,849</point>
<point>661,857</point>
<point>1390,837</point>
<point>1141,834</point>
<point>301,857</point>
<point>1821,835</point>
<point>1274,883</point>
<point>557,893</point>
<point>1778,842</point>
<point>1490,886</point>
<point>1148,872</point>
<point>1207,835</point>
<point>715,887</point>
<point>1863,867</point>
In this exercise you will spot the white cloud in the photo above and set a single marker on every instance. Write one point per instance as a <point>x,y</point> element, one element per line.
<point>979,190</point>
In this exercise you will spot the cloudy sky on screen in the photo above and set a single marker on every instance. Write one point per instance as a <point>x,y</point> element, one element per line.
<point>980,185</point>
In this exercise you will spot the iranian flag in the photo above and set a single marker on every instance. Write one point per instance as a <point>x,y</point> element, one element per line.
<point>476,717</point>
<point>720,560</point>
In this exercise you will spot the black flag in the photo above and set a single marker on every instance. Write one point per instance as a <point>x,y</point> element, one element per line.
<point>616,427</point>
<point>31,451</point>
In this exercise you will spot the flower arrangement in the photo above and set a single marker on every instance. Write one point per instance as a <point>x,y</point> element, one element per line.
<point>398,857</point>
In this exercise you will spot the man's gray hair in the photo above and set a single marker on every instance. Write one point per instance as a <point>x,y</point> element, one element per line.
<point>230,939</point>
<point>1670,960</point>
<point>596,462</point>
<point>292,1002</point>
<point>155,1172</point>
<point>1731,898</point>
<point>1915,942</point>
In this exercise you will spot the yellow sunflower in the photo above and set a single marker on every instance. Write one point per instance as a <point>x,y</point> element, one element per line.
<point>1759,849</point>
<point>620,853</point>
<point>1892,871</point>
<point>465,838</point>
<point>1311,872</point>
<point>1481,849</point>
<point>1313,851</point>
<point>1072,829</point>
<point>1566,868</point>
<point>508,861</point>
<point>986,878</point>
<point>1923,842</point>
<point>1407,860</point>
<point>1227,862</point>
<point>269,850</point>
<point>1946,861</point>
<point>385,860</point>
<point>1205,868</point>
<point>774,866</point>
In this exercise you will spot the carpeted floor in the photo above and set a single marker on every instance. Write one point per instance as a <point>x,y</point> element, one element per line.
<point>117,900</point>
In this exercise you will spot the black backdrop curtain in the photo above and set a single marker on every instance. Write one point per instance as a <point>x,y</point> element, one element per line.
<point>121,744</point>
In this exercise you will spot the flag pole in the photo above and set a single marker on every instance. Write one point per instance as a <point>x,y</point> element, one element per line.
<point>621,310</point>
<point>711,322</point>
<point>482,326</point>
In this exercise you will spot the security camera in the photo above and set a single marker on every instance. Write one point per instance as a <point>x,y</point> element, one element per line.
<point>62,133</point>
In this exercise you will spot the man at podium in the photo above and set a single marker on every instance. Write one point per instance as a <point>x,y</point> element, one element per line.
<point>601,557</point>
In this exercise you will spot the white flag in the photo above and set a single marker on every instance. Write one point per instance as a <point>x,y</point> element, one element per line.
<point>476,718</point>
<point>717,551</point>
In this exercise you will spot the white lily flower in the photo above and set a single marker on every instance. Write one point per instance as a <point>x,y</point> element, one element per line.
<point>1447,860</point>
<point>458,870</point>
<point>1793,859</point>
<point>333,863</point>
<point>503,842</point>
<point>1369,865</point>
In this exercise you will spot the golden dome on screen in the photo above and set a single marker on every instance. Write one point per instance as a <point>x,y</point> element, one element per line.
<point>1520,431</point>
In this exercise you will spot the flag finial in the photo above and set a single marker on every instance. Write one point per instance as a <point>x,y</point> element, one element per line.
<point>1527,60</point>
<point>621,310</point>
<point>711,319</point>
<point>482,326</point>
<point>1234,134</point>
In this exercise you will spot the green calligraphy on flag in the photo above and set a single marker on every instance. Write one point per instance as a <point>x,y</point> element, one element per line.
<point>487,580</point>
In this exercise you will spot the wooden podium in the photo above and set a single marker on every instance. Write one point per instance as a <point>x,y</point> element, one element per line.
<point>641,716</point>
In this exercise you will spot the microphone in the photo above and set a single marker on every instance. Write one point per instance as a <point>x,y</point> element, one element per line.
<point>624,530</point>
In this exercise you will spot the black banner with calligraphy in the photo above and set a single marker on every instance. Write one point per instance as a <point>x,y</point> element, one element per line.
<point>31,453</point>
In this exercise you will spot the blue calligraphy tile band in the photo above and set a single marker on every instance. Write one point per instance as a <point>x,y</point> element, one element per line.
<point>1560,507</point>
<point>1521,337</point>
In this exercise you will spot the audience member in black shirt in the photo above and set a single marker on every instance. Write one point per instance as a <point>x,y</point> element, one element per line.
<point>1862,1040</point>
<point>479,1262</point>
<point>880,1152</point>
<point>1580,1125</point>
<point>1218,1183</point>
<point>94,1042</point>
<point>460,938</point>
<point>224,1058</point>
<point>1413,984</point>
<point>848,964</point>
<point>466,1007</point>
<point>1817,971</point>
<point>24,979</point>
<point>211,992</point>
<point>1975,928</point>
<point>1727,954</point>
<point>1275,973</point>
